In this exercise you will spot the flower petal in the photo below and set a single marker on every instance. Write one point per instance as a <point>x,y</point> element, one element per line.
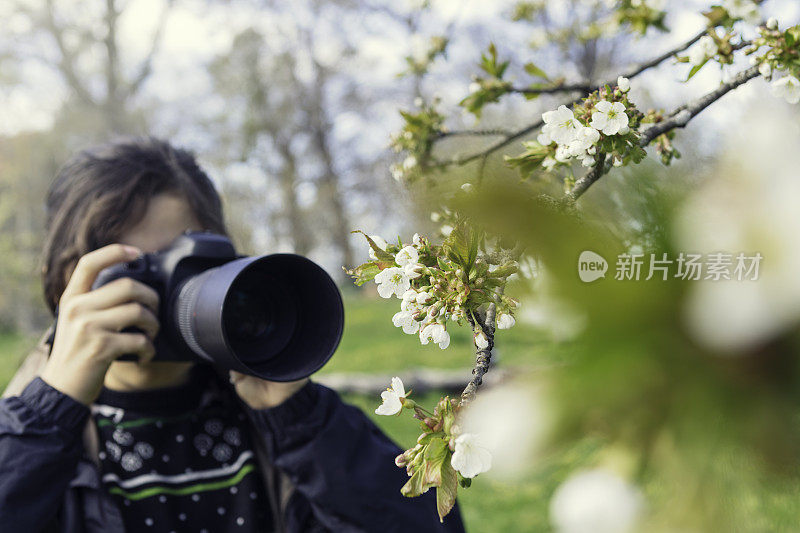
<point>397,386</point>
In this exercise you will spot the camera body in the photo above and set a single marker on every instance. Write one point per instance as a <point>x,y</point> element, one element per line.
<point>166,271</point>
<point>279,317</point>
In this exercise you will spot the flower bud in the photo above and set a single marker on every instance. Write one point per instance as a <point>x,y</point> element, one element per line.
<point>772,23</point>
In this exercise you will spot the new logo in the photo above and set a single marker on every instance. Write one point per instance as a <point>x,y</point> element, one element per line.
<point>591,266</point>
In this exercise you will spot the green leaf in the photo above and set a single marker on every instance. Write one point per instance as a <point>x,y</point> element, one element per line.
<point>696,69</point>
<point>447,490</point>
<point>379,252</point>
<point>414,486</point>
<point>461,246</point>
<point>533,70</point>
<point>363,273</point>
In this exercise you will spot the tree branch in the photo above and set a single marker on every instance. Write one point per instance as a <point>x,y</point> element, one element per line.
<point>683,114</point>
<point>510,137</point>
<point>67,62</point>
<point>677,119</point>
<point>586,181</point>
<point>483,357</point>
<point>147,65</point>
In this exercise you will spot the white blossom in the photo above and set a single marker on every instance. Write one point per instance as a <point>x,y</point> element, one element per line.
<point>624,84</point>
<point>505,321</point>
<point>423,297</point>
<point>743,9</point>
<point>544,139</point>
<point>704,49</point>
<point>413,270</point>
<point>481,341</point>
<point>417,240</point>
<point>435,332</point>
<point>470,458</point>
<point>392,281</point>
<point>585,139</point>
<point>610,118</point>
<point>392,403</point>
<point>379,242</point>
<point>446,230</point>
<point>595,501</point>
<point>560,125</point>
<point>407,255</point>
<point>787,87</point>
<point>563,153</point>
<point>549,162</point>
<point>772,23</point>
<point>474,87</point>
<point>405,319</point>
<point>410,162</point>
<point>765,69</point>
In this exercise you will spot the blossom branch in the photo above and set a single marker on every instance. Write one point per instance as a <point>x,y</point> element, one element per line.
<point>511,136</point>
<point>483,356</point>
<point>679,118</point>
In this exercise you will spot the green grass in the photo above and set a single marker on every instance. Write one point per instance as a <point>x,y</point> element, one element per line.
<point>372,344</point>
<point>13,348</point>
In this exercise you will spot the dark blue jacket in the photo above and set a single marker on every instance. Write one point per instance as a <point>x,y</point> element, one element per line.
<point>329,468</point>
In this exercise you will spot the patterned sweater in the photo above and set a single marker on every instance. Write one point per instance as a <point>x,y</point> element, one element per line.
<point>180,458</point>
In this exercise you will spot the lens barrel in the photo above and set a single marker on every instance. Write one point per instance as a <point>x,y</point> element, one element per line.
<point>279,317</point>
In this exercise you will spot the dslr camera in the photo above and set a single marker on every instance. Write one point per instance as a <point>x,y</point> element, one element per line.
<point>278,317</point>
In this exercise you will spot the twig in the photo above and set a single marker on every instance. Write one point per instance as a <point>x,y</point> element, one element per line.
<point>635,71</point>
<point>500,132</point>
<point>677,119</point>
<point>682,115</point>
<point>483,356</point>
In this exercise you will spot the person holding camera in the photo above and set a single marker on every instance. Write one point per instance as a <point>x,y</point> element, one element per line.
<point>90,443</point>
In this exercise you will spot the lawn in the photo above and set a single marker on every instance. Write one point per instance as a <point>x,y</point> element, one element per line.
<point>372,344</point>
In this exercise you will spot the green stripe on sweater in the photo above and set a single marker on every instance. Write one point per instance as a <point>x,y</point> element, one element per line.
<point>183,491</point>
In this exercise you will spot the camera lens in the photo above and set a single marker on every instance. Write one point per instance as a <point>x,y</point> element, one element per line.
<point>249,316</point>
<point>278,317</point>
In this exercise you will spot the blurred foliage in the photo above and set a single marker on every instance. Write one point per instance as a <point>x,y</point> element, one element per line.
<point>711,437</point>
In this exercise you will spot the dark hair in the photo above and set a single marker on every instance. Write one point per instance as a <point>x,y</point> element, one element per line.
<point>104,190</point>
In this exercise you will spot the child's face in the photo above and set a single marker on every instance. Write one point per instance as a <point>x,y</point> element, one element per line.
<point>167,216</point>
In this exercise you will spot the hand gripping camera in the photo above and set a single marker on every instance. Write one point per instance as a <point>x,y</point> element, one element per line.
<point>278,317</point>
